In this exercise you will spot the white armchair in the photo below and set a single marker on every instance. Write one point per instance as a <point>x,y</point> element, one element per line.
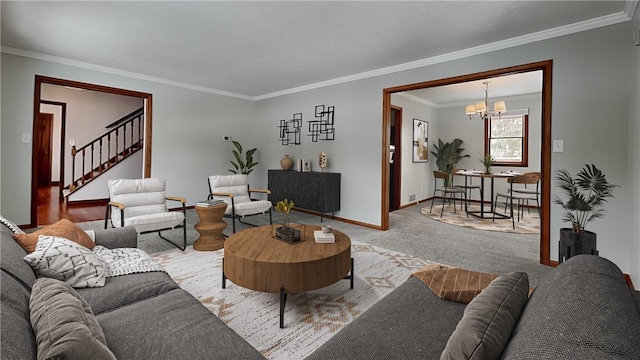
<point>142,203</point>
<point>234,190</point>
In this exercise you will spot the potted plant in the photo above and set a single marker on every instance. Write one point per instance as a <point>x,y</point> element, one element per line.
<point>285,232</point>
<point>447,157</point>
<point>586,194</point>
<point>487,161</point>
<point>242,166</point>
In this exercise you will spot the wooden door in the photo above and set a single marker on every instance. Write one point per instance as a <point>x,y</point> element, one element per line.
<point>44,137</point>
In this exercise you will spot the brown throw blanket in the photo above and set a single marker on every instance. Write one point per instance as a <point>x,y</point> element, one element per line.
<point>454,284</point>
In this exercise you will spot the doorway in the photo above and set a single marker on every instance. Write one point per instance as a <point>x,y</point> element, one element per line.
<point>37,168</point>
<point>395,158</point>
<point>546,68</point>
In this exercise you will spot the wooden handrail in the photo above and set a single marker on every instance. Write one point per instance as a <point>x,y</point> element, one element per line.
<point>113,154</point>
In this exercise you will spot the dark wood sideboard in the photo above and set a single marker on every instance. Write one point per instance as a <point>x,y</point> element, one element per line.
<point>315,191</point>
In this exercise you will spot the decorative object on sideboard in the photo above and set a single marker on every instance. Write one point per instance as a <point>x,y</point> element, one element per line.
<point>299,163</point>
<point>481,109</point>
<point>286,162</point>
<point>290,130</point>
<point>322,160</point>
<point>585,195</point>
<point>242,166</point>
<point>420,141</point>
<point>306,165</point>
<point>323,127</point>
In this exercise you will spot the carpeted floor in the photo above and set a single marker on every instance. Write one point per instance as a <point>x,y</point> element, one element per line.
<point>310,318</point>
<point>528,224</point>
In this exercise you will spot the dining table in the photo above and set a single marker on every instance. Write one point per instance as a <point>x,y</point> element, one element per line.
<point>482,213</point>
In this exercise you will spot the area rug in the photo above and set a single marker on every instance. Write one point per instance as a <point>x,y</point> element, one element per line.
<point>529,224</point>
<point>310,318</point>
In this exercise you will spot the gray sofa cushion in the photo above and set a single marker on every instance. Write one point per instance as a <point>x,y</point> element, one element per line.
<point>64,324</point>
<point>489,319</point>
<point>17,337</point>
<point>582,310</point>
<point>173,325</point>
<point>11,259</point>
<point>408,323</point>
<point>129,289</point>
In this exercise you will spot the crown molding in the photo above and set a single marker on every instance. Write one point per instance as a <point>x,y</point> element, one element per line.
<point>626,15</point>
<point>109,70</point>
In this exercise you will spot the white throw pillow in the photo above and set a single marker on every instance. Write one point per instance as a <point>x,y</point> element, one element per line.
<point>65,260</point>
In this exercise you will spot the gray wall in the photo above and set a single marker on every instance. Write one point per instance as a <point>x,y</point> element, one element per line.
<point>585,82</point>
<point>592,97</point>
<point>187,130</point>
<point>416,178</point>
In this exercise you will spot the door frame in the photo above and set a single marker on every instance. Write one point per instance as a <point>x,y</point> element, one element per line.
<point>39,80</point>
<point>547,75</point>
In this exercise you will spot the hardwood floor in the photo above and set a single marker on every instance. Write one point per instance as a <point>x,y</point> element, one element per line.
<point>51,209</point>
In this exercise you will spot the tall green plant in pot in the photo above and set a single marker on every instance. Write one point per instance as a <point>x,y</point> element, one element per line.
<point>242,165</point>
<point>448,155</point>
<point>585,197</point>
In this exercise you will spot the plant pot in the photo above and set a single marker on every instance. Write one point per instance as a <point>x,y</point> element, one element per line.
<point>487,170</point>
<point>572,243</point>
<point>288,234</point>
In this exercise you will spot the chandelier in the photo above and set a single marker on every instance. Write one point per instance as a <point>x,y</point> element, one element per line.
<point>481,109</point>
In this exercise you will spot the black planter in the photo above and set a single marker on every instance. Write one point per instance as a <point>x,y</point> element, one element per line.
<point>288,234</point>
<point>572,244</point>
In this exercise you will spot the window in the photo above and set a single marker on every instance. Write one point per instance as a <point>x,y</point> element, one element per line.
<point>506,139</point>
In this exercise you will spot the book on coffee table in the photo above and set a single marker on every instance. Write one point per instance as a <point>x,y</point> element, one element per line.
<point>324,238</point>
<point>207,203</point>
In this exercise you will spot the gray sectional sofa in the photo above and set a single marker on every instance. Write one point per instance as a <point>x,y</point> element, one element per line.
<point>582,310</point>
<point>143,316</point>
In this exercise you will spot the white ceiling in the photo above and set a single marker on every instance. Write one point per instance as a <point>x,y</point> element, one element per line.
<point>260,49</point>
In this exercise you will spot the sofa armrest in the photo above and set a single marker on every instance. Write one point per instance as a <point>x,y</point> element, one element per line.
<point>123,237</point>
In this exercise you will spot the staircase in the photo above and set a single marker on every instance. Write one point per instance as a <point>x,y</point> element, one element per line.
<point>104,152</point>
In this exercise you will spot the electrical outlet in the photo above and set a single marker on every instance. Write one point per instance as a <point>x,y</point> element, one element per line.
<point>558,146</point>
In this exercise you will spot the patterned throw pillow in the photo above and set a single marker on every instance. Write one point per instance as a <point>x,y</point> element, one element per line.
<point>65,260</point>
<point>13,227</point>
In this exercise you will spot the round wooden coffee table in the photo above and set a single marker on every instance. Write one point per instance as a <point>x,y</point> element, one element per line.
<point>255,260</point>
<point>210,227</point>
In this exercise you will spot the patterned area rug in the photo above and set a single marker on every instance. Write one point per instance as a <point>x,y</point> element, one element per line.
<point>310,318</point>
<point>528,224</point>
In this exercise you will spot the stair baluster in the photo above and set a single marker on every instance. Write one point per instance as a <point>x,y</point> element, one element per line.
<point>123,125</point>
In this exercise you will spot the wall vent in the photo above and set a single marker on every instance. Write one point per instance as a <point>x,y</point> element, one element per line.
<point>412,197</point>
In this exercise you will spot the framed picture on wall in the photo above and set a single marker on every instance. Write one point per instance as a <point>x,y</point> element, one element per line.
<point>420,141</point>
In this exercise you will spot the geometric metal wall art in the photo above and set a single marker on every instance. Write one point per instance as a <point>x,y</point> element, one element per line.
<point>290,130</point>
<point>323,127</point>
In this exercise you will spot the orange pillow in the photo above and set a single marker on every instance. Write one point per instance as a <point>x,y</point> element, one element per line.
<point>63,228</point>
